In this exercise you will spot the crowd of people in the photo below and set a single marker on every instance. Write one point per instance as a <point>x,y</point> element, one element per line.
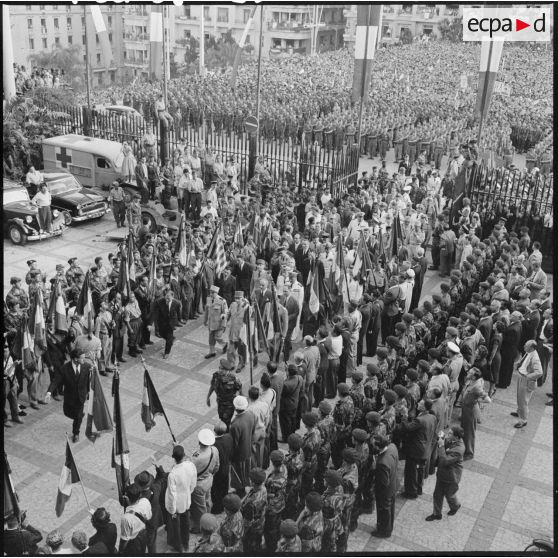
<point>294,459</point>
<point>27,79</point>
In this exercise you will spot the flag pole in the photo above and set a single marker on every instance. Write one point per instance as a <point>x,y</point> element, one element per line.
<point>87,60</point>
<point>164,412</point>
<point>80,479</point>
<point>364,72</point>
<point>249,346</point>
<point>484,94</point>
<point>258,82</point>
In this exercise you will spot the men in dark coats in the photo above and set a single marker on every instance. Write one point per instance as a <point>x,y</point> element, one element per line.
<point>511,337</point>
<point>226,386</point>
<point>302,260</point>
<point>227,286</point>
<point>365,309</point>
<point>374,325</point>
<point>418,434</point>
<point>530,324</point>
<point>385,486</point>
<point>105,530</point>
<point>74,377</point>
<point>20,539</point>
<point>289,401</point>
<point>291,304</point>
<point>243,274</point>
<point>142,296</point>
<point>485,325</point>
<point>167,314</point>
<point>242,430</point>
<point>277,379</point>
<point>220,486</point>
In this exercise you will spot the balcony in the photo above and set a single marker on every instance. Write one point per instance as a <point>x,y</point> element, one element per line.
<point>137,37</point>
<point>296,26</point>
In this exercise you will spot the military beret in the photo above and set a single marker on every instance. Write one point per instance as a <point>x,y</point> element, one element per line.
<point>423,364</point>
<point>452,331</point>
<point>29,262</point>
<point>325,407</point>
<point>407,317</point>
<point>453,321</point>
<point>295,441</point>
<point>372,369</point>
<point>357,375</point>
<point>54,538</point>
<point>434,353</point>
<point>360,435</point>
<point>288,528</point>
<point>463,316</point>
<point>476,296</point>
<point>226,364</point>
<point>400,390</point>
<point>445,287</point>
<point>382,352</point>
<point>484,284</point>
<point>392,341</point>
<point>257,475</point>
<point>15,280</point>
<point>491,279</point>
<point>208,523</point>
<point>412,374</point>
<point>343,388</point>
<point>333,478</point>
<point>310,419</point>
<point>454,279</point>
<point>400,326</point>
<point>456,273</point>
<point>276,456</point>
<point>350,455</point>
<point>232,502</point>
<point>373,417</point>
<point>59,267</point>
<point>71,261</point>
<point>436,298</point>
<point>390,396</point>
<point>314,501</point>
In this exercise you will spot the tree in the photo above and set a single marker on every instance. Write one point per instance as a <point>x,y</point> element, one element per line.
<point>451,30</point>
<point>67,59</point>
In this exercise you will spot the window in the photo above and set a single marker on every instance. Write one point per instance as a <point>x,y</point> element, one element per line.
<point>110,37</point>
<point>187,33</point>
<point>29,7</point>
<point>31,44</point>
<point>96,39</point>
<point>98,58</point>
<point>247,40</point>
<point>29,24</point>
<point>125,55</point>
<point>69,22</point>
<point>186,11</point>
<point>56,26</point>
<point>42,7</point>
<point>246,15</point>
<point>70,40</point>
<point>112,76</point>
<point>83,39</point>
<point>223,15</point>
<point>44,43</point>
<point>55,7</point>
<point>56,40</point>
<point>109,20</point>
<point>43,23</point>
<point>83,21</point>
<point>206,15</point>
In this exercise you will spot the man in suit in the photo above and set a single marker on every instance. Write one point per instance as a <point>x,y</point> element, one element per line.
<point>215,319</point>
<point>302,259</point>
<point>227,285</point>
<point>20,539</point>
<point>142,179</point>
<point>545,340</point>
<point>220,486</point>
<point>243,273</point>
<point>385,486</point>
<point>74,378</point>
<point>243,427</point>
<point>293,309</point>
<point>167,312</point>
<point>529,370</point>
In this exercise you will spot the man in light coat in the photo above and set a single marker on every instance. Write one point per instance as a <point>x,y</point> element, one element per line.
<point>529,370</point>
<point>181,483</point>
<point>215,319</point>
<point>236,346</point>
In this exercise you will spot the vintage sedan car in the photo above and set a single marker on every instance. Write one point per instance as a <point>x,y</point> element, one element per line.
<point>69,196</point>
<point>20,216</point>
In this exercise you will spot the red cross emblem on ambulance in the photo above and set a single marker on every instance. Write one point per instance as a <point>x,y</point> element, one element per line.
<point>63,157</point>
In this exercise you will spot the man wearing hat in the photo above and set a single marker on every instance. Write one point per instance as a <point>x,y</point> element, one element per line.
<point>236,346</point>
<point>343,416</point>
<point>452,369</point>
<point>210,542</point>
<point>17,294</point>
<point>181,484</point>
<point>529,370</point>
<point>276,486</point>
<point>311,524</point>
<point>226,386</point>
<point>215,319</point>
<point>253,509</point>
<point>333,505</point>
<point>385,486</point>
<point>349,476</point>
<point>311,443</point>
<point>150,489</point>
<point>231,529</point>
<point>242,430</point>
<point>167,316</point>
<point>206,461</point>
<point>289,541</point>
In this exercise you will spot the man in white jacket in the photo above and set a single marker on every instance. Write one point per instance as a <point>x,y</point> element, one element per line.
<point>181,483</point>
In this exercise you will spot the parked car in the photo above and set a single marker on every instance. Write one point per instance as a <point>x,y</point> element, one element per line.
<point>20,216</point>
<point>69,196</point>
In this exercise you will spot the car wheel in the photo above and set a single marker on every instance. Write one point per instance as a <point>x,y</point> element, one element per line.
<point>152,224</point>
<point>67,218</point>
<point>17,236</point>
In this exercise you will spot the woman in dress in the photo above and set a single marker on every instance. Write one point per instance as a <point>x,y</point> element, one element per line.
<point>128,163</point>
<point>218,168</point>
<point>495,357</point>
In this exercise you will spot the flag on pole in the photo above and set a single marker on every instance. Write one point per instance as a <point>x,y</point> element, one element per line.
<point>240,46</point>
<point>131,249</point>
<point>123,282</point>
<point>365,261</point>
<point>68,477</point>
<point>11,500</point>
<point>238,240</point>
<point>98,414</point>
<point>102,33</point>
<point>491,53</point>
<point>156,42</point>
<point>152,283</point>
<point>57,309</point>
<point>395,236</point>
<point>120,449</point>
<point>259,330</point>
<point>151,404</point>
<point>314,301</point>
<point>84,305</point>
<point>217,251</point>
<point>337,274</point>
<point>39,330</point>
<point>181,244</point>
<point>367,33</point>
<point>28,360</point>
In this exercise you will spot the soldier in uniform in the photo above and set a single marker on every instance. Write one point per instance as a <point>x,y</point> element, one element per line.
<point>32,265</point>
<point>226,386</point>
<point>253,508</point>
<point>73,270</point>
<point>294,463</point>
<point>333,505</point>
<point>311,524</point>
<point>215,319</point>
<point>276,485</point>
<point>231,529</point>
<point>289,541</point>
<point>349,476</point>
<point>236,346</point>
<point>343,416</point>
<point>17,294</point>
<point>326,426</point>
<point>210,541</point>
<point>360,438</point>
<point>438,149</point>
<point>311,443</point>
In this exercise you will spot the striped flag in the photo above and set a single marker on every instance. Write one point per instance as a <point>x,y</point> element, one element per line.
<point>216,251</point>
<point>120,449</point>
<point>491,53</point>
<point>152,283</point>
<point>396,236</point>
<point>102,33</point>
<point>57,309</point>
<point>11,499</point>
<point>151,404</point>
<point>240,46</point>
<point>98,414</point>
<point>84,305</point>
<point>238,240</point>
<point>181,244</point>
<point>156,42</point>
<point>123,282</point>
<point>365,261</point>
<point>314,302</point>
<point>367,33</point>
<point>39,330</point>
<point>337,275</point>
<point>130,250</point>
<point>28,360</point>
<point>68,477</point>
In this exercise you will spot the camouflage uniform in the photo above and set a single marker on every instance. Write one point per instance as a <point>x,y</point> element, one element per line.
<point>311,444</point>
<point>310,528</point>
<point>226,385</point>
<point>210,544</point>
<point>276,485</point>
<point>232,532</point>
<point>356,393</point>
<point>293,545</point>
<point>253,511</point>
<point>343,415</point>
<point>334,503</point>
<point>349,473</point>
<point>361,500</point>
<point>294,463</point>
<point>327,429</point>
